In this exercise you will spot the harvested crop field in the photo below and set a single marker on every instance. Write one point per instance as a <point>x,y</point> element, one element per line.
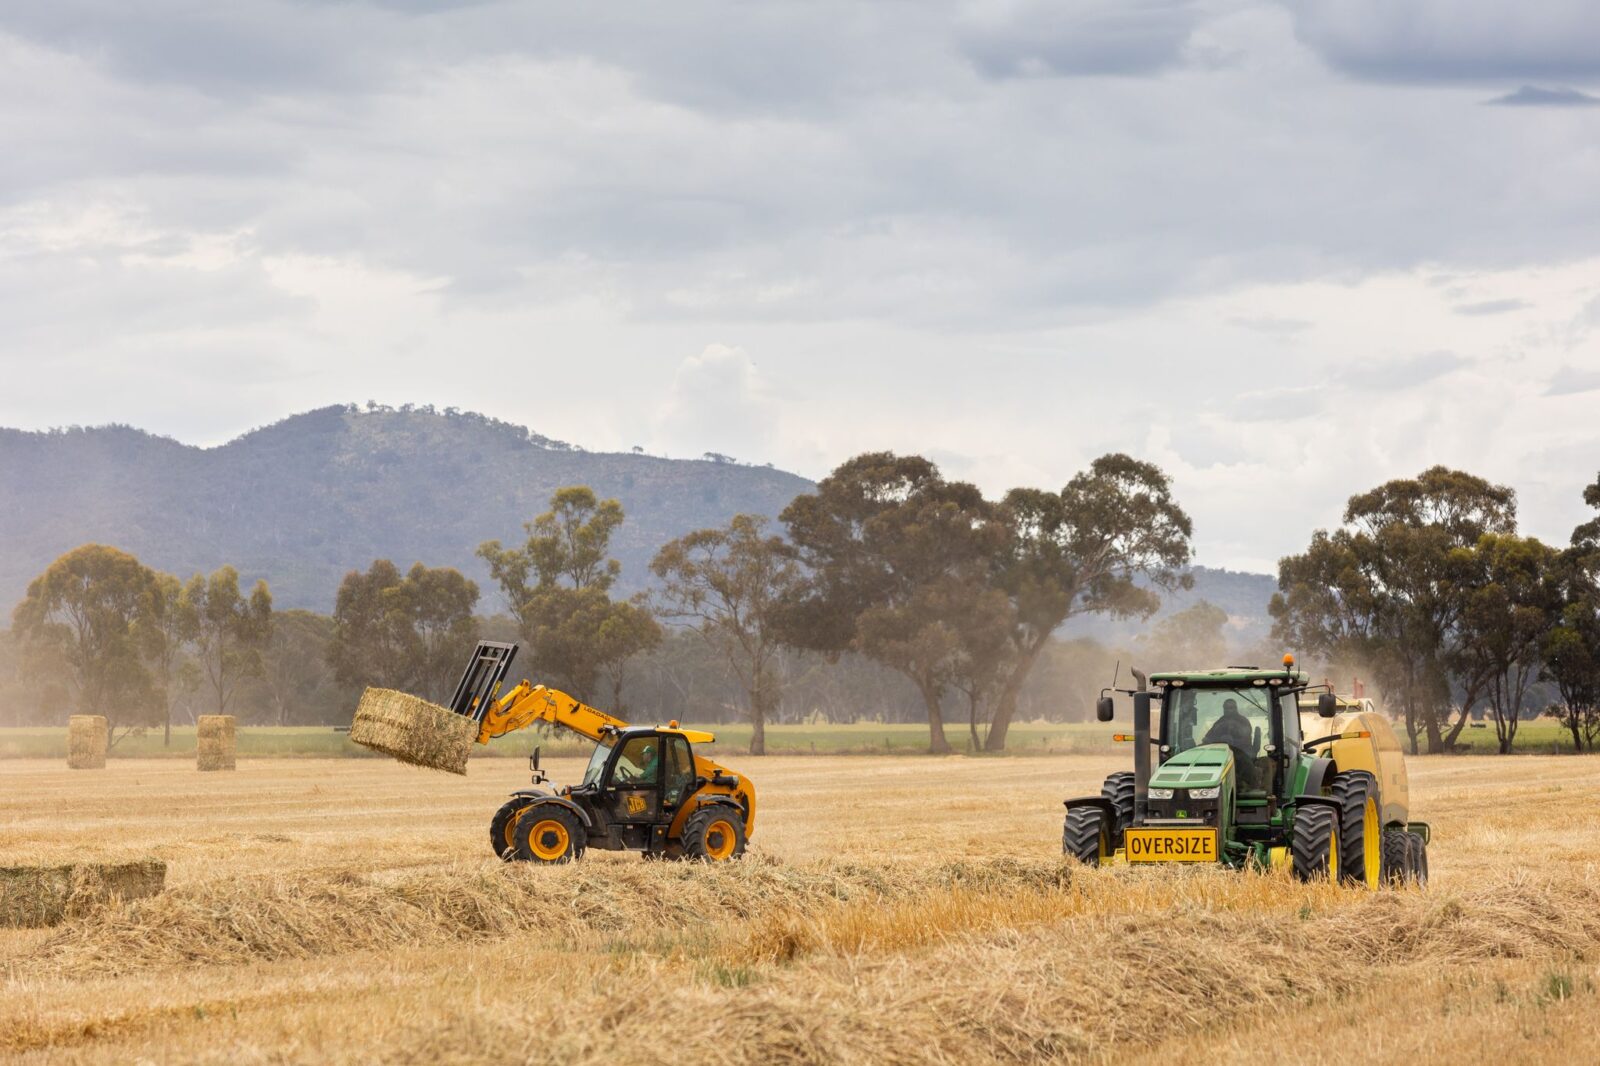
<point>891,910</point>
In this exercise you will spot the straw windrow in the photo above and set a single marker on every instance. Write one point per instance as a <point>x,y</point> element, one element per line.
<point>413,730</point>
<point>214,746</point>
<point>86,742</point>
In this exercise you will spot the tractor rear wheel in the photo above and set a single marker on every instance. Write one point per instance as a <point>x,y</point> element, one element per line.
<point>502,825</point>
<point>1360,828</point>
<point>1397,857</point>
<point>1314,843</point>
<point>1118,788</point>
<point>713,834</point>
<point>549,834</point>
<point>1084,835</point>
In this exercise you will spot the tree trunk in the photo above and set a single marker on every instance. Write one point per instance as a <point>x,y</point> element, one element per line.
<point>937,744</point>
<point>758,734</point>
<point>1006,707</point>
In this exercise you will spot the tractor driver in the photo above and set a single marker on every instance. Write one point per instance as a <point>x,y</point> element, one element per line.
<point>1234,730</point>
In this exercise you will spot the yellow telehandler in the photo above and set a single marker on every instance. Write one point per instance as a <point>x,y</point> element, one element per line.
<point>645,789</point>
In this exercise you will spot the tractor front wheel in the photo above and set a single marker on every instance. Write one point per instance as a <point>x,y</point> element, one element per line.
<point>1360,828</point>
<point>1314,845</point>
<point>713,834</point>
<point>548,834</point>
<point>1118,788</point>
<point>503,825</point>
<point>1084,836</point>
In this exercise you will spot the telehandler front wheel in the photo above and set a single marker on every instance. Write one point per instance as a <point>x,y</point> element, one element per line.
<point>503,824</point>
<point>1084,836</point>
<point>548,834</point>
<point>1360,828</point>
<point>1314,843</point>
<point>713,834</point>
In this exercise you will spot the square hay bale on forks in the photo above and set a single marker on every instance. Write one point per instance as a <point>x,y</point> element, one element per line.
<point>413,730</point>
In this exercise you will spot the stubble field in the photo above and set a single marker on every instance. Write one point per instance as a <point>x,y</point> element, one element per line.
<point>891,910</point>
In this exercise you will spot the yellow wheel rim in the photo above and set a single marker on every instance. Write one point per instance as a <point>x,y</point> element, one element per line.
<point>1333,855</point>
<point>548,840</point>
<point>720,840</point>
<point>1372,841</point>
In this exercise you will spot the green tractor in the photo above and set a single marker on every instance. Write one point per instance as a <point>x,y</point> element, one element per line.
<point>1246,767</point>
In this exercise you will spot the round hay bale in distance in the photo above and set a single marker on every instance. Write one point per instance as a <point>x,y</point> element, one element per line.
<point>214,742</point>
<point>413,730</point>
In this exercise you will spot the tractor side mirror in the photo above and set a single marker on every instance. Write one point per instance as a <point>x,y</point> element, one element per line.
<point>1327,705</point>
<point>1104,709</point>
<point>535,758</point>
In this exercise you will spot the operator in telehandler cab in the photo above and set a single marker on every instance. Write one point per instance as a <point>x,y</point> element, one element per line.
<point>645,789</point>
<point>1254,790</point>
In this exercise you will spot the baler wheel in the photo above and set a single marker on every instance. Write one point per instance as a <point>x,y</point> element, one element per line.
<point>502,825</point>
<point>1397,857</point>
<point>1419,859</point>
<point>1084,836</point>
<point>1315,844</point>
<point>1360,830</point>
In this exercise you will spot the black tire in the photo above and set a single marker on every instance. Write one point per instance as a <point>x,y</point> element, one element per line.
<point>1314,842</point>
<point>714,833</point>
<point>1419,859</point>
<point>502,824</point>
<point>1084,836</point>
<point>1397,857</point>
<point>549,834</point>
<point>1360,828</point>
<point>1118,788</point>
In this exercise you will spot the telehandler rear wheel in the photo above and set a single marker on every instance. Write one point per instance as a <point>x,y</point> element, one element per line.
<point>502,825</point>
<point>1314,844</point>
<point>1084,836</point>
<point>1360,829</point>
<point>1118,788</point>
<point>549,834</point>
<point>713,834</point>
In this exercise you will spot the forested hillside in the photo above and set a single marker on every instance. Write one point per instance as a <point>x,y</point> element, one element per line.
<point>303,501</point>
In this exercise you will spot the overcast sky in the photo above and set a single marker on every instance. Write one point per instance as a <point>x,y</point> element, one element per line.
<point>1286,250</point>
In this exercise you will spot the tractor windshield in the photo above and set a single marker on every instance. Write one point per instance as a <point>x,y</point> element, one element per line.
<point>597,761</point>
<point>1237,717</point>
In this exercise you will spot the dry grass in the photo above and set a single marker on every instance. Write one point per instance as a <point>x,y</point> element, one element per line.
<point>215,747</point>
<point>413,730</point>
<point>86,742</point>
<point>348,912</point>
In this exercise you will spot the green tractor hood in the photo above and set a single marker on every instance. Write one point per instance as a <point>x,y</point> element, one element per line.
<point>1201,767</point>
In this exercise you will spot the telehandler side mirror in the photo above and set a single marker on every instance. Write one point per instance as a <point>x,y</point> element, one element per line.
<point>536,758</point>
<point>1104,709</point>
<point>1327,705</point>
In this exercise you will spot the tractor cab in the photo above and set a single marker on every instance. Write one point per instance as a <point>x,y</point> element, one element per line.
<point>1244,718</point>
<point>641,775</point>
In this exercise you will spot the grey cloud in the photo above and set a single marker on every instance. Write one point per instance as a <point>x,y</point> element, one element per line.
<point>1276,327</point>
<point>1569,381</point>
<point>1467,40</point>
<point>1492,307</point>
<point>1401,373</point>
<point>1033,38</point>
<point>1533,96</point>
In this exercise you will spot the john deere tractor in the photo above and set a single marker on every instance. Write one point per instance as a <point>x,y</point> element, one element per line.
<point>1245,766</point>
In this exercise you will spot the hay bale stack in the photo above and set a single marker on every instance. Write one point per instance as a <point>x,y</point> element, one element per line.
<point>36,896</point>
<point>214,745</point>
<point>413,730</point>
<point>86,742</point>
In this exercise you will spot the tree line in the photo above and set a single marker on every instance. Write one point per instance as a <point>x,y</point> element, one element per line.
<point>889,590</point>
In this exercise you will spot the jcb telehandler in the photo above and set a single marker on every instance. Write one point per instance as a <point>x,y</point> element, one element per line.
<point>1234,773</point>
<point>644,789</point>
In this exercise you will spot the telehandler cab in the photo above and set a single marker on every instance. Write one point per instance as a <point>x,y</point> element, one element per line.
<point>644,789</point>
<point>1246,767</point>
